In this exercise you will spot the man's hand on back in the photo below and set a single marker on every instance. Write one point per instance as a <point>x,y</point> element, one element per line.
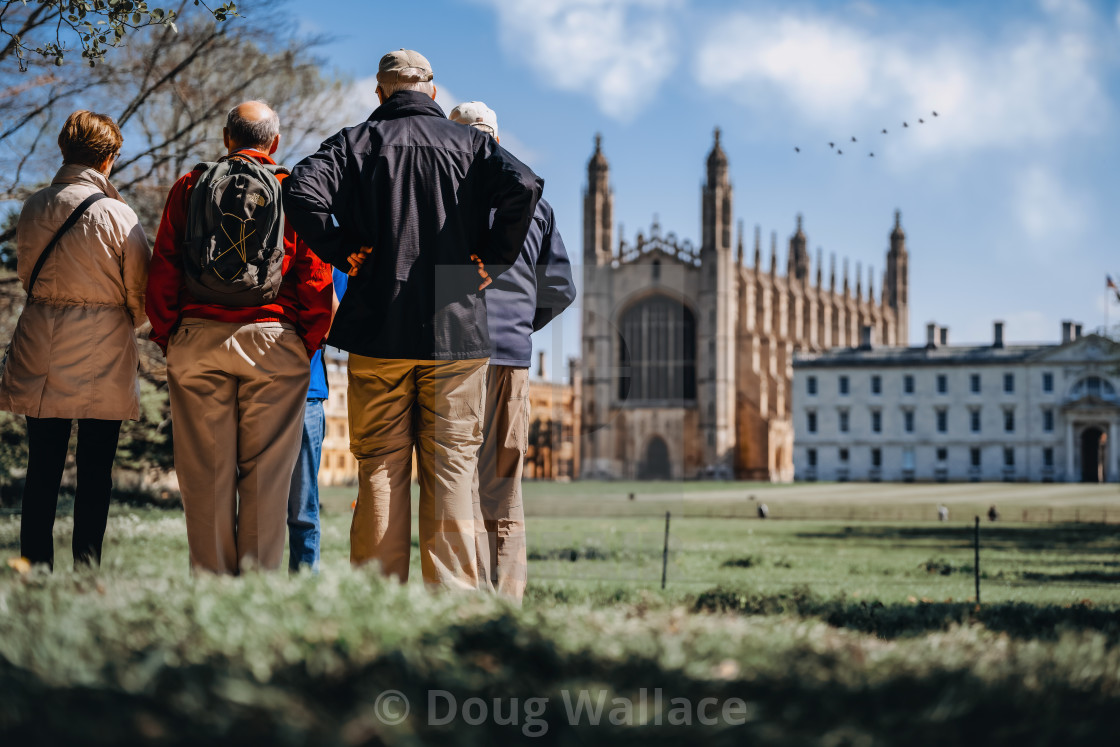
<point>482,273</point>
<point>357,259</point>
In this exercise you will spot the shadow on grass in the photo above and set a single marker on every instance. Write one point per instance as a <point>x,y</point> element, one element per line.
<point>1095,577</point>
<point>503,661</point>
<point>1083,538</point>
<point>1017,619</point>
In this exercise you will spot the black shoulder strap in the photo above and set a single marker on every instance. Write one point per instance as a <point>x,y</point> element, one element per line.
<point>74,216</point>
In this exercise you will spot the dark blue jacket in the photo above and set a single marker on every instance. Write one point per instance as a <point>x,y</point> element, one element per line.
<point>420,190</point>
<point>526,297</point>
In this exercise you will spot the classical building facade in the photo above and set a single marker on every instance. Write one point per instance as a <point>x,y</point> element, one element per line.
<point>338,465</point>
<point>554,412</point>
<point>1042,413</point>
<point>687,352</point>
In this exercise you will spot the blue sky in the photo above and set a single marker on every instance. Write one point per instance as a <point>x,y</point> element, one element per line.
<point>1008,197</point>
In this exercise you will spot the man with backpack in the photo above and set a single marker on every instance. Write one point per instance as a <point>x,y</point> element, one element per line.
<point>404,202</point>
<point>239,305</point>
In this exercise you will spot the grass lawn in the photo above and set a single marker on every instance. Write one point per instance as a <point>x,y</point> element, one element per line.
<point>823,631</point>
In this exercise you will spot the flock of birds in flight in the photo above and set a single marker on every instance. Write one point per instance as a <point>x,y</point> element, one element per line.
<point>871,154</point>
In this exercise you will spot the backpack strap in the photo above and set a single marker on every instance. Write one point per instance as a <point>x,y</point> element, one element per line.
<point>70,221</point>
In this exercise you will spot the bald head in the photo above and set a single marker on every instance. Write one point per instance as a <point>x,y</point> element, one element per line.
<point>252,124</point>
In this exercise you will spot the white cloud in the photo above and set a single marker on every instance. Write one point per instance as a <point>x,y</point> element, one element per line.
<point>616,51</point>
<point>1040,85</point>
<point>1070,10</point>
<point>866,8</point>
<point>1047,210</point>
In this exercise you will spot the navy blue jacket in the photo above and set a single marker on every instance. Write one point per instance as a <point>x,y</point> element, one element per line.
<point>526,297</point>
<point>420,190</point>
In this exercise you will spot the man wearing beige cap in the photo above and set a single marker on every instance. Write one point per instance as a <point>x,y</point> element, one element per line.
<point>522,300</point>
<point>402,202</point>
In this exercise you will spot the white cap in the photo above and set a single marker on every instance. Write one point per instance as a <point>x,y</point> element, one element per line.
<point>476,114</point>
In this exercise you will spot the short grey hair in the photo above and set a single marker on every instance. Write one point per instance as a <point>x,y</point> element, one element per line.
<point>401,81</point>
<point>252,133</point>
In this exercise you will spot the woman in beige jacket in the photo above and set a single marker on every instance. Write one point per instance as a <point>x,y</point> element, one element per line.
<point>73,354</point>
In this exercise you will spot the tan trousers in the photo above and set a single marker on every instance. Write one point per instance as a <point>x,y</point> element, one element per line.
<point>237,397</point>
<point>499,514</point>
<point>436,407</point>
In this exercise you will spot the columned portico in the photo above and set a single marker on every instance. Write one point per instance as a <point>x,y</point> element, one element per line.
<point>1091,446</point>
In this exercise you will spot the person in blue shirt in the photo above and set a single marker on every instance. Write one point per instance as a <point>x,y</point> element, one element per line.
<point>303,495</point>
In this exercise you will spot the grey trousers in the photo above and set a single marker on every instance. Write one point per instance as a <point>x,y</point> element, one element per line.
<point>499,514</point>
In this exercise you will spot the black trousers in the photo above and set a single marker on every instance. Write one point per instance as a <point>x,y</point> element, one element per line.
<point>47,442</point>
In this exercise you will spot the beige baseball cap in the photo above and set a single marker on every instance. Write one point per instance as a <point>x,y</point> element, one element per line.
<point>413,64</point>
<point>476,114</point>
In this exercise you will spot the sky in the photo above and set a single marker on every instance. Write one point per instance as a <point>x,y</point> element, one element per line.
<point>1008,196</point>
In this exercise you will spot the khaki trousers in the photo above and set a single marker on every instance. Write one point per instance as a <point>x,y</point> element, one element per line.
<point>499,514</point>
<point>237,397</point>
<point>436,407</point>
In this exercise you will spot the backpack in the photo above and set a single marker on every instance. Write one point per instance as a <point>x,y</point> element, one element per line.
<point>233,252</point>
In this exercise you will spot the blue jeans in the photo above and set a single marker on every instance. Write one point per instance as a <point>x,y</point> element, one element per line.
<point>303,497</point>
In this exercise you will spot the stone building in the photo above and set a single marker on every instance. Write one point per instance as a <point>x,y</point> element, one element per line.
<point>338,465</point>
<point>687,352</point>
<point>940,412</point>
<point>554,411</point>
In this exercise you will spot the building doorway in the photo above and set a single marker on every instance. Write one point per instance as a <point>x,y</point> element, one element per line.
<point>656,465</point>
<point>1094,446</point>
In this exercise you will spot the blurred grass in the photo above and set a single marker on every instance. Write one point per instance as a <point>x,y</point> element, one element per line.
<point>1017,502</point>
<point>832,632</point>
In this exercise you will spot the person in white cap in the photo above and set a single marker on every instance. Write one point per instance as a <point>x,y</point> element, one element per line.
<point>521,300</point>
<point>402,202</point>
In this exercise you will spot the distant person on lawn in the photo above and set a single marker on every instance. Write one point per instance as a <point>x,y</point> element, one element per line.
<point>303,494</point>
<point>403,202</point>
<point>239,305</point>
<point>82,257</point>
<point>521,301</point>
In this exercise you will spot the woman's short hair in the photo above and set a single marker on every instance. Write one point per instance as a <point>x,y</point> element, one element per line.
<point>88,138</point>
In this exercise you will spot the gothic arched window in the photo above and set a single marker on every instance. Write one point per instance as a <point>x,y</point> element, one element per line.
<point>657,352</point>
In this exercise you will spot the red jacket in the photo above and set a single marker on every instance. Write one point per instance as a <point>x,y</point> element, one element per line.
<point>305,294</point>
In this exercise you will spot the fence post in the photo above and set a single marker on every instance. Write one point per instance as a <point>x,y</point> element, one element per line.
<point>976,560</point>
<point>665,552</point>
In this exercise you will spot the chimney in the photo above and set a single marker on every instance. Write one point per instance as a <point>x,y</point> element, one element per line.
<point>931,335</point>
<point>866,337</point>
<point>1077,331</point>
<point>541,370</point>
<point>1067,332</point>
<point>998,341</point>
<point>944,336</point>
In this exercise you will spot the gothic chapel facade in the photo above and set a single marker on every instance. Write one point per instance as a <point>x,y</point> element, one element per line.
<point>687,354</point>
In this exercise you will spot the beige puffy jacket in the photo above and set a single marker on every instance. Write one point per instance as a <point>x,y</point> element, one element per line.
<point>73,353</point>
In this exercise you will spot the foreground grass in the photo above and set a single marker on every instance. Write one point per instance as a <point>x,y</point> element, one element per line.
<point>143,653</point>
